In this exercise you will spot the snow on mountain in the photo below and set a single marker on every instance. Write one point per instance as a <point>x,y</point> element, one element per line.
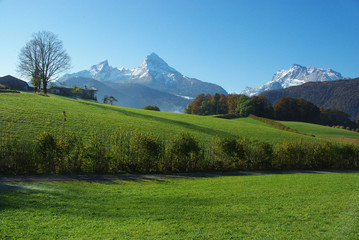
<point>295,76</point>
<point>154,68</point>
<point>154,73</point>
<point>102,72</point>
<point>153,82</point>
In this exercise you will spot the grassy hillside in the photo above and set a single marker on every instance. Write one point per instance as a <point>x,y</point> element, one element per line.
<point>284,206</point>
<point>324,131</point>
<point>27,114</point>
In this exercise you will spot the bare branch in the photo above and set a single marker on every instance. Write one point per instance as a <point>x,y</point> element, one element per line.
<point>45,54</point>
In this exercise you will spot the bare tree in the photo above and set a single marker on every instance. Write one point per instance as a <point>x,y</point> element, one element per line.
<point>44,53</point>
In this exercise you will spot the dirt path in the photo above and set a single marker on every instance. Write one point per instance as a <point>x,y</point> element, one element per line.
<point>37,178</point>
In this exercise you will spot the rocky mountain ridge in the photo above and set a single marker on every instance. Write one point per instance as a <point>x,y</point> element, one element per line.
<point>295,76</point>
<point>153,82</point>
<point>154,73</point>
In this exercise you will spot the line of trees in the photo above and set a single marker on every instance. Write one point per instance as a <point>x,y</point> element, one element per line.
<point>286,109</point>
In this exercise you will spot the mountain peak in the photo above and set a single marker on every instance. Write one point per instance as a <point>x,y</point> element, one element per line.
<point>100,66</point>
<point>295,76</point>
<point>105,61</point>
<point>154,73</point>
<point>154,59</point>
<point>154,63</point>
<point>153,55</point>
<point>296,66</point>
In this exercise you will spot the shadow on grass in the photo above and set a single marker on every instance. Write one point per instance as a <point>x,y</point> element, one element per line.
<point>183,124</point>
<point>97,202</point>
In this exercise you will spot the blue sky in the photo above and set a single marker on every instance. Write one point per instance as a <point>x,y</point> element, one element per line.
<point>231,43</point>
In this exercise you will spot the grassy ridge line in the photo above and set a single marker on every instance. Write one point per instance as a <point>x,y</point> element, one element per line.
<point>26,115</point>
<point>319,130</point>
<point>324,132</point>
<point>273,123</point>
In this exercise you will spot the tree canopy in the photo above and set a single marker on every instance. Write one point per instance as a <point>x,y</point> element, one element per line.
<point>286,109</point>
<point>43,58</point>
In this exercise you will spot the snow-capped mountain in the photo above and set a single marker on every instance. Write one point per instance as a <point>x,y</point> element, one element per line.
<point>102,72</point>
<point>154,82</point>
<point>154,73</point>
<point>295,76</point>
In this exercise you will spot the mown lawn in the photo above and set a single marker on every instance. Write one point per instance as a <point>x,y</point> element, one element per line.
<point>25,115</point>
<point>287,206</point>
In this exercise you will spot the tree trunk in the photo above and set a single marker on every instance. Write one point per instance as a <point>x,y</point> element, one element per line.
<point>44,86</point>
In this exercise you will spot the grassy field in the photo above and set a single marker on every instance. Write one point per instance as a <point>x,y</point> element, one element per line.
<point>26,115</point>
<point>286,206</point>
<point>324,131</point>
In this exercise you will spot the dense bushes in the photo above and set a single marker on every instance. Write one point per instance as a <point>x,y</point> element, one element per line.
<point>183,154</point>
<point>305,155</point>
<point>153,108</point>
<point>16,157</point>
<point>145,153</point>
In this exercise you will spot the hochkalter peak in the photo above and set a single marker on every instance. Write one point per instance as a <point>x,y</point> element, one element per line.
<point>294,76</point>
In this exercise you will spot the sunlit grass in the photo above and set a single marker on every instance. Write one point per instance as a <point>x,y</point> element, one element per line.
<point>26,115</point>
<point>325,132</point>
<point>292,206</point>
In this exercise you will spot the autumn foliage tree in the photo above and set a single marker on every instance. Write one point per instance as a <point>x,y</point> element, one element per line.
<point>208,105</point>
<point>286,109</point>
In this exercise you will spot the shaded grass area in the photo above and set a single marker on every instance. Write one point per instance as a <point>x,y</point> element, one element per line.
<point>25,115</point>
<point>296,206</point>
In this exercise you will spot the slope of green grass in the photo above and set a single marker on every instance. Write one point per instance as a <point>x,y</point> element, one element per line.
<point>324,131</point>
<point>289,206</point>
<point>27,114</point>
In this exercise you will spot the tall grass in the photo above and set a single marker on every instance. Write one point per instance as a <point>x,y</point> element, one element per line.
<point>135,151</point>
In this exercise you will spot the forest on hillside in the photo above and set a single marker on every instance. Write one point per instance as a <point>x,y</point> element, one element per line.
<point>342,95</point>
<point>285,109</point>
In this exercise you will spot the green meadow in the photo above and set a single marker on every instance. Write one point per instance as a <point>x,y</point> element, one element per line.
<point>25,115</point>
<point>325,132</point>
<point>279,206</point>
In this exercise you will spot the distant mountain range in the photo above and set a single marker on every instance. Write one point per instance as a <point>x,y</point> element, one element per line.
<point>295,76</point>
<point>341,94</point>
<point>154,82</point>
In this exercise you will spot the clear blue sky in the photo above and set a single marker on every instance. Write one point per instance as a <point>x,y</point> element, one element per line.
<point>234,44</point>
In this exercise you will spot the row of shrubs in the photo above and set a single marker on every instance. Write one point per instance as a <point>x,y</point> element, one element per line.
<point>147,153</point>
<point>346,128</point>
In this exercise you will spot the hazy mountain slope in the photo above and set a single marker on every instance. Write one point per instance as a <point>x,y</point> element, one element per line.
<point>341,94</point>
<point>295,76</point>
<point>132,95</point>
